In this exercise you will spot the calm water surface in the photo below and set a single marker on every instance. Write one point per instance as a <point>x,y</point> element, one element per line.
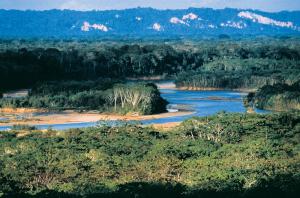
<point>202,103</point>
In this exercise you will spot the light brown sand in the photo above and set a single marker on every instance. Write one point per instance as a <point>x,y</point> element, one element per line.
<point>214,89</point>
<point>166,85</point>
<point>75,117</point>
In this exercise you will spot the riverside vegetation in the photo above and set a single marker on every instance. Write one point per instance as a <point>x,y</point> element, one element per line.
<point>225,155</point>
<point>278,97</point>
<point>104,95</point>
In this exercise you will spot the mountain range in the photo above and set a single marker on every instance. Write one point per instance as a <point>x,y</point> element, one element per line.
<point>142,22</point>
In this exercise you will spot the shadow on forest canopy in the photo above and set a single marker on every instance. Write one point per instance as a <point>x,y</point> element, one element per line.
<point>280,186</point>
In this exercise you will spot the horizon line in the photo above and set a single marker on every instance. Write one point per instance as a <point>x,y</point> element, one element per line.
<point>163,9</point>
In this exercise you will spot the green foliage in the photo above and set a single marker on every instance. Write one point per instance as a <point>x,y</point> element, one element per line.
<point>280,97</point>
<point>240,74</point>
<point>218,129</point>
<point>185,148</point>
<point>103,95</point>
<point>247,66</point>
<point>24,63</point>
<point>228,155</point>
<point>23,127</point>
<point>143,98</point>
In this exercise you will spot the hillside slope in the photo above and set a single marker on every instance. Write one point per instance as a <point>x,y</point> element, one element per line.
<point>142,22</point>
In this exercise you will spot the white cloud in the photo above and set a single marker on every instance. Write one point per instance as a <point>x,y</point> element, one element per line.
<point>190,16</point>
<point>266,5</point>
<point>87,26</point>
<point>265,20</point>
<point>157,27</point>
<point>176,20</point>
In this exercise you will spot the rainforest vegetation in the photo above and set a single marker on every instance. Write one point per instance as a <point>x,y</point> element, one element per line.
<point>240,74</point>
<point>225,155</point>
<point>249,63</point>
<point>104,95</point>
<point>278,97</point>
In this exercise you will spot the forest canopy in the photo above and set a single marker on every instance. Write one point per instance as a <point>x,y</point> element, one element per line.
<point>24,62</point>
<point>225,155</point>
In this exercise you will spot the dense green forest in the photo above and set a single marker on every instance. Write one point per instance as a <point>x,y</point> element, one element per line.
<point>278,97</point>
<point>225,155</point>
<point>240,63</point>
<point>104,95</point>
<point>240,74</point>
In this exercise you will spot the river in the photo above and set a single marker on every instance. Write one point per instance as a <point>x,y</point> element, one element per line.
<point>202,103</point>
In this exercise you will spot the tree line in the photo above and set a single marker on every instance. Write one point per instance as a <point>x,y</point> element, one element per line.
<point>240,74</point>
<point>24,62</point>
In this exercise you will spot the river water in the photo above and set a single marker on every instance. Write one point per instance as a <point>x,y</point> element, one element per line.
<point>202,103</point>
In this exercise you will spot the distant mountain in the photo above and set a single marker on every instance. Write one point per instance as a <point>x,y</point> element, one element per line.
<point>140,22</point>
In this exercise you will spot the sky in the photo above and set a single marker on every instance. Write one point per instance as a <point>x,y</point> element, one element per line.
<point>265,5</point>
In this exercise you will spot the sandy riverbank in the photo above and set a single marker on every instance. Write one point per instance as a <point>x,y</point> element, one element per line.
<point>75,117</point>
<point>166,85</point>
<point>215,89</point>
<point>21,110</point>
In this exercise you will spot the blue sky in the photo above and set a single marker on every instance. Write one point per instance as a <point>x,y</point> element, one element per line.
<point>266,5</point>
